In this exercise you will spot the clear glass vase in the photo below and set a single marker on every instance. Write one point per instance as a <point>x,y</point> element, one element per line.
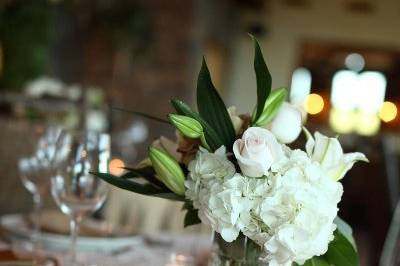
<point>241,252</point>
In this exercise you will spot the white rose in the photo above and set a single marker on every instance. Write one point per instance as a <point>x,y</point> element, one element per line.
<point>286,126</point>
<point>257,151</point>
<point>329,153</point>
<point>236,120</point>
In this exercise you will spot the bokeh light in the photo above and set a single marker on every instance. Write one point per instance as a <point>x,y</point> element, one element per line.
<point>342,121</point>
<point>354,62</point>
<point>116,167</point>
<point>368,124</point>
<point>301,85</point>
<point>365,91</point>
<point>314,104</point>
<point>388,111</point>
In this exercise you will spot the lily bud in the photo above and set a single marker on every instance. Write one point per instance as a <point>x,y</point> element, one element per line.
<point>271,107</point>
<point>168,170</point>
<point>188,126</point>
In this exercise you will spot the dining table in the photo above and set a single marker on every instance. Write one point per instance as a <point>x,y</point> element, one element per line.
<point>156,249</point>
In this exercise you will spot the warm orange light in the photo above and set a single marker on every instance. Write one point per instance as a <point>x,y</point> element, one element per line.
<point>314,104</point>
<point>388,111</point>
<point>116,167</point>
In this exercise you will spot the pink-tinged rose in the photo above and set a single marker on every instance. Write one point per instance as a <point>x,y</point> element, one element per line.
<point>256,151</point>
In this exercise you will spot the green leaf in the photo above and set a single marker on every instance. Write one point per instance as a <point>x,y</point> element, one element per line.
<point>169,196</point>
<point>341,251</point>
<point>211,136</point>
<point>147,173</point>
<point>140,172</point>
<point>144,189</point>
<point>346,230</point>
<point>148,116</point>
<point>188,205</point>
<point>191,217</point>
<point>263,77</point>
<point>212,109</point>
<point>272,106</point>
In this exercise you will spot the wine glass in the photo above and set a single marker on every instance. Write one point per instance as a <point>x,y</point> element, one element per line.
<point>37,168</point>
<point>76,191</point>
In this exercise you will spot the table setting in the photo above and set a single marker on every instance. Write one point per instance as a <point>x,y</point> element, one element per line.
<point>58,166</point>
<point>267,202</point>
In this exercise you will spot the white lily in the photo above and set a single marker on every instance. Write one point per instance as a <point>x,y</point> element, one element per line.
<point>329,153</point>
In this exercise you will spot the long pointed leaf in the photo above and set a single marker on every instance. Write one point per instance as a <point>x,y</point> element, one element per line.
<point>144,189</point>
<point>271,107</point>
<point>346,230</point>
<point>148,116</point>
<point>212,138</point>
<point>140,172</point>
<point>212,108</point>
<point>147,173</point>
<point>263,77</point>
<point>341,252</point>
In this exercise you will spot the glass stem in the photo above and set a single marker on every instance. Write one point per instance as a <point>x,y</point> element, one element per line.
<point>37,209</point>
<point>74,228</point>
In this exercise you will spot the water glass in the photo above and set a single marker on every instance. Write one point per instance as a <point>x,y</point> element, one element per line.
<point>76,191</point>
<point>37,166</point>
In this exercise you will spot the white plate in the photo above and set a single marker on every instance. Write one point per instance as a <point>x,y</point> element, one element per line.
<point>15,227</point>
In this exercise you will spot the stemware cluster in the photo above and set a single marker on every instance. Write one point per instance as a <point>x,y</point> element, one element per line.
<point>37,168</point>
<point>62,162</point>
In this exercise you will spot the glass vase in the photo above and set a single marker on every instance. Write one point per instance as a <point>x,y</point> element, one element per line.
<point>241,252</point>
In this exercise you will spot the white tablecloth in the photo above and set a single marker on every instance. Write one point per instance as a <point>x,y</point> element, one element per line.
<point>148,253</point>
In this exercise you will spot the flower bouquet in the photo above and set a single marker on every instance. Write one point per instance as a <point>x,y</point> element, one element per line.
<point>267,203</point>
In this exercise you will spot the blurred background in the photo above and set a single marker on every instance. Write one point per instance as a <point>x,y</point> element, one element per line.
<point>77,63</point>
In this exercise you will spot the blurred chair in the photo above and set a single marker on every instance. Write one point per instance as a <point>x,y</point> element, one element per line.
<point>391,152</point>
<point>14,136</point>
<point>390,254</point>
<point>144,214</point>
<point>391,148</point>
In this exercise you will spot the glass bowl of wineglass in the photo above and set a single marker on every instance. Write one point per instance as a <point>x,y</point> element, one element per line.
<point>37,166</point>
<point>76,191</point>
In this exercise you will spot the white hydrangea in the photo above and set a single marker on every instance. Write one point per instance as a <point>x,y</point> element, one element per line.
<point>215,189</point>
<point>205,169</point>
<point>294,220</point>
<point>290,211</point>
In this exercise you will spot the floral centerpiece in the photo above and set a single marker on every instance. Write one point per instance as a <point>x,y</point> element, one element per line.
<point>267,203</point>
